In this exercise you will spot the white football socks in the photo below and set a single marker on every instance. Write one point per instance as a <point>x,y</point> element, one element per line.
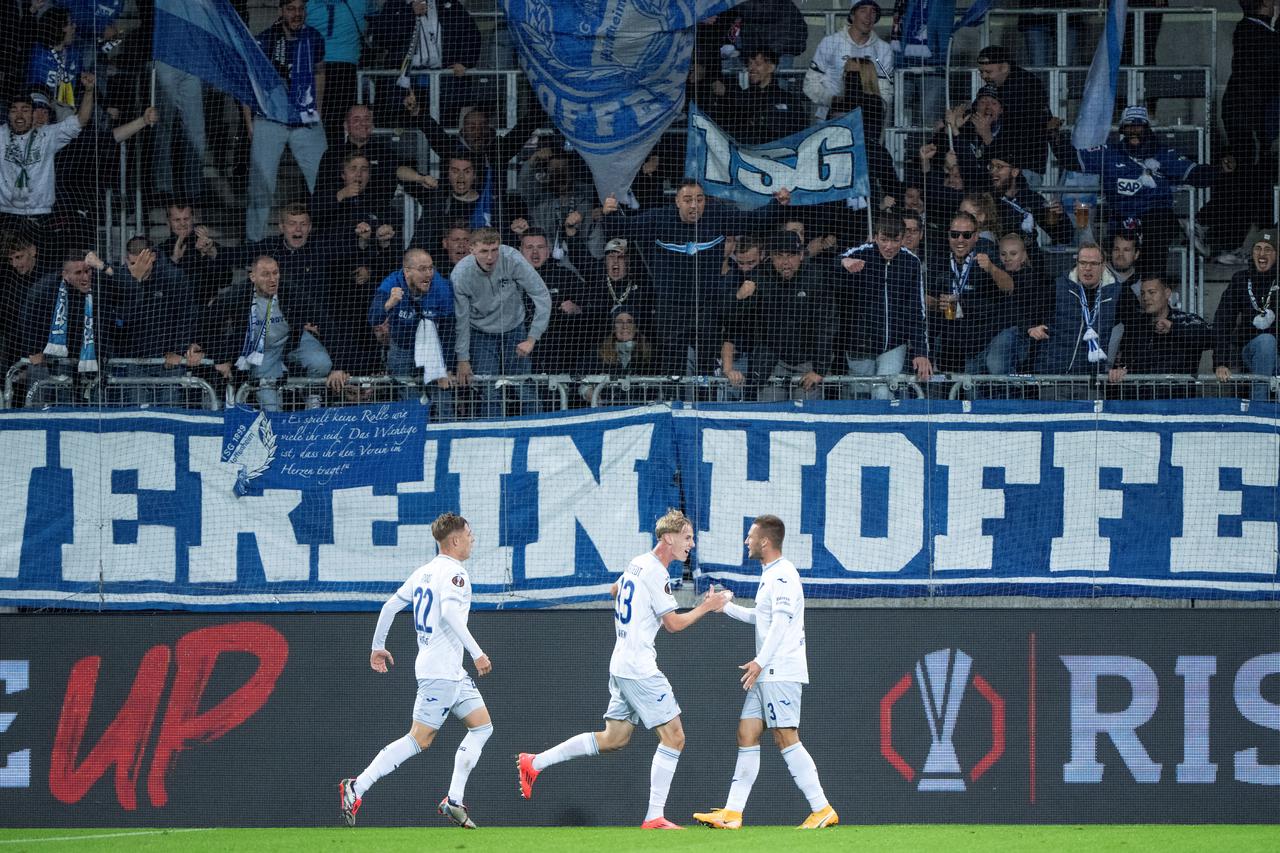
<point>665,760</point>
<point>464,760</point>
<point>744,776</point>
<point>578,746</point>
<point>805,772</point>
<point>392,756</point>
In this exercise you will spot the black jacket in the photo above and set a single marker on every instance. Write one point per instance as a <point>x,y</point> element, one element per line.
<point>882,307</point>
<point>1026,110</point>
<point>760,114</point>
<point>1143,350</point>
<point>392,32</point>
<point>114,298</point>
<point>1245,298</point>
<point>791,320</point>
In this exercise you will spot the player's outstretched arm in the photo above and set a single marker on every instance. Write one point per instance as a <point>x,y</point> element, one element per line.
<point>711,602</point>
<point>742,614</point>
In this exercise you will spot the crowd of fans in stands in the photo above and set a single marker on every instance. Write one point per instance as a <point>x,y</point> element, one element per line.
<point>947,267</point>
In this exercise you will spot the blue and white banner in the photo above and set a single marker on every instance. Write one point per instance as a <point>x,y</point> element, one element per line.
<point>323,448</point>
<point>610,73</point>
<point>206,38</point>
<point>1098,102</point>
<point>824,162</point>
<point>1172,499</point>
<point>139,509</point>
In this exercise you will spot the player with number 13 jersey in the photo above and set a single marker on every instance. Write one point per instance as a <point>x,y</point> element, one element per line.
<point>638,691</point>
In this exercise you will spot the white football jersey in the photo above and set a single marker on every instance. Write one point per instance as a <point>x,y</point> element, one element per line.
<point>780,599</point>
<point>644,597</point>
<point>426,590</point>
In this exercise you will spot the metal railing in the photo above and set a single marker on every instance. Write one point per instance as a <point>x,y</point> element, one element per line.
<point>485,397</point>
<point>1098,387</point>
<point>120,383</point>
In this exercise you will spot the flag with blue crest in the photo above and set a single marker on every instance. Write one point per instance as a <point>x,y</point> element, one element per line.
<point>610,73</point>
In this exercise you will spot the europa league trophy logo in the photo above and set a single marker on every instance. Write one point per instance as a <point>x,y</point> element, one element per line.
<point>942,677</point>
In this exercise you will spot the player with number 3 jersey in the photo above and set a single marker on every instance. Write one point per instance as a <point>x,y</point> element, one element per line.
<point>439,595</point>
<point>638,691</point>
<point>774,680</point>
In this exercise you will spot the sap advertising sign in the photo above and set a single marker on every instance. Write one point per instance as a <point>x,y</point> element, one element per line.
<point>1056,716</point>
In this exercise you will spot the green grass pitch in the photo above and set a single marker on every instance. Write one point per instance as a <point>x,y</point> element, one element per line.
<point>765,839</point>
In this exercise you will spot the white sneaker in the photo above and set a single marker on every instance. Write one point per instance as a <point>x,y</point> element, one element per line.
<point>1231,259</point>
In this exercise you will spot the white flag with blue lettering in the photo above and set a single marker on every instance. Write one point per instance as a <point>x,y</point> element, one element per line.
<point>610,73</point>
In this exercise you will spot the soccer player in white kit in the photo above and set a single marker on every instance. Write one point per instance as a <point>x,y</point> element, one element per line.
<point>638,691</point>
<point>440,596</point>
<point>773,680</point>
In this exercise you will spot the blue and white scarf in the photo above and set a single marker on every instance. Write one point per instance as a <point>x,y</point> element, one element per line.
<point>1090,336</point>
<point>255,337</point>
<point>57,343</point>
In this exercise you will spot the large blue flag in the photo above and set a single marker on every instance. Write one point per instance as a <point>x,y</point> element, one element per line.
<point>1096,107</point>
<point>208,39</point>
<point>610,73</point>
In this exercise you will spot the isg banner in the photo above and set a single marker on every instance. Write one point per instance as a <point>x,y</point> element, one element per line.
<point>911,716</point>
<point>332,509</point>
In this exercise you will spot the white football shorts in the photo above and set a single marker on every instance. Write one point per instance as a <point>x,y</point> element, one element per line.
<point>775,702</point>
<point>642,700</point>
<point>438,696</point>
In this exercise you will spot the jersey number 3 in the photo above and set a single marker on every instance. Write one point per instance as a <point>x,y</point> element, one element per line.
<point>626,592</point>
<point>422,598</point>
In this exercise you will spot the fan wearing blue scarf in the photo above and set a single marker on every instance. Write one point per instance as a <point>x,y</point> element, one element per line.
<point>274,339</point>
<point>1084,316</point>
<point>59,316</point>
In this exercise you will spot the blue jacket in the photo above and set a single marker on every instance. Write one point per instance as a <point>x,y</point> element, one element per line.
<point>45,70</point>
<point>1067,352</point>
<point>882,307</point>
<point>1123,187</point>
<point>436,305</point>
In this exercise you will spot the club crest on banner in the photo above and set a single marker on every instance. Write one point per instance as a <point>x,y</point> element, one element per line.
<point>252,449</point>
<point>610,73</point>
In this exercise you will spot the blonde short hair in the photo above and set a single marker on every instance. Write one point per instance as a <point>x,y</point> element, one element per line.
<point>673,522</point>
